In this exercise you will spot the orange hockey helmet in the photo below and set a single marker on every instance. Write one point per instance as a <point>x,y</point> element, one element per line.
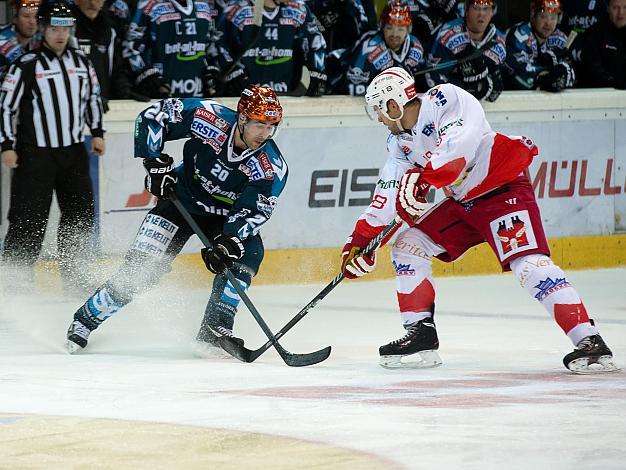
<point>550,6</point>
<point>396,12</point>
<point>260,103</point>
<point>17,4</point>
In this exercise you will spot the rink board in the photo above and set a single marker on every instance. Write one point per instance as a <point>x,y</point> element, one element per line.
<point>334,153</point>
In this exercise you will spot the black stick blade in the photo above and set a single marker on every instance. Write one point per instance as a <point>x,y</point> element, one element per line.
<point>239,351</point>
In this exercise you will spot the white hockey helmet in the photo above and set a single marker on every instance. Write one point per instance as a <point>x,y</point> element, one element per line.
<point>394,83</point>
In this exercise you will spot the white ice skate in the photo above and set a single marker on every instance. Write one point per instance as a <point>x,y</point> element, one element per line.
<point>591,356</point>
<point>77,336</point>
<point>415,350</point>
<point>419,360</point>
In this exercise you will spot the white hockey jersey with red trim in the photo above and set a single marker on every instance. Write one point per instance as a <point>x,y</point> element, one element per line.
<point>455,145</point>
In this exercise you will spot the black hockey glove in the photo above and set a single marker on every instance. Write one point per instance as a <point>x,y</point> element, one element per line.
<point>317,85</point>
<point>473,71</point>
<point>160,178</point>
<point>328,15</point>
<point>210,80</point>
<point>555,80</point>
<point>547,59</point>
<point>236,81</point>
<point>153,87</point>
<point>226,250</point>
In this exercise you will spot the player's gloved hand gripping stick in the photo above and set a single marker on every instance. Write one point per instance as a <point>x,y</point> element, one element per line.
<point>291,359</point>
<point>247,355</point>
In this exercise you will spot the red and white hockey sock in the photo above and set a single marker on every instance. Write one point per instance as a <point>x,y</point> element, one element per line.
<point>412,259</point>
<point>547,283</point>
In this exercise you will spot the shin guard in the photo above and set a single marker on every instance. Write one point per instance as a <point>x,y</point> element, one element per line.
<point>547,283</point>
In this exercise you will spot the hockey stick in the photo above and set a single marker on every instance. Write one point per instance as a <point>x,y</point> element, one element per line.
<point>247,355</point>
<point>452,63</point>
<point>291,359</point>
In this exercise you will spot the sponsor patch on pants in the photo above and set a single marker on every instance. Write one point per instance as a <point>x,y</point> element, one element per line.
<point>513,233</point>
<point>154,236</point>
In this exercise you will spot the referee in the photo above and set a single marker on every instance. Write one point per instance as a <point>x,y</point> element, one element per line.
<point>48,95</point>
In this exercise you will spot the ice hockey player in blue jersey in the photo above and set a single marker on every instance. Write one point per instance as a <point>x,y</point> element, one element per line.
<point>21,36</point>
<point>229,180</point>
<point>537,53</point>
<point>459,39</point>
<point>351,70</point>
<point>288,40</point>
<point>166,46</point>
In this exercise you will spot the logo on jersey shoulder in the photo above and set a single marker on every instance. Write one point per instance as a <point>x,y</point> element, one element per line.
<point>215,120</point>
<point>174,109</point>
<point>266,204</point>
<point>209,128</point>
<point>457,41</point>
<point>437,95</point>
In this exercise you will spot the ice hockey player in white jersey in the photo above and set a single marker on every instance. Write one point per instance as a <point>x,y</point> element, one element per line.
<point>443,140</point>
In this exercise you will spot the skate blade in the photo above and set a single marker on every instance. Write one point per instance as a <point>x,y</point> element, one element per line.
<point>208,351</point>
<point>603,365</point>
<point>72,347</point>
<point>425,360</point>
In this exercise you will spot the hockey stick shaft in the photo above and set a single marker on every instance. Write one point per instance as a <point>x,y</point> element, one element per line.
<point>372,245</point>
<point>452,63</point>
<point>229,275</point>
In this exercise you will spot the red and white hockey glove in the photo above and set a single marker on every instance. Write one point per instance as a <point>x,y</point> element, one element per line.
<point>353,263</point>
<point>411,200</point>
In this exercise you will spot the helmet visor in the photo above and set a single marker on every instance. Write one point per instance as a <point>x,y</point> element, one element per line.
<point>373,111</point>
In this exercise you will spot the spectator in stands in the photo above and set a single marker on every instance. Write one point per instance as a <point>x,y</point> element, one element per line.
<point>98,39</point>
<point>537,52</point>
<point>21,36</point>
<point>427,15</point>
<point>289,39</point>
<point>462,40</point>
<point>391,46</point>
<point>166,46</point>
<point>578,17</point>
<point>342,22</point>
<point>604,50</point>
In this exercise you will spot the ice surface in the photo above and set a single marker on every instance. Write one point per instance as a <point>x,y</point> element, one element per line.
<point>502,398</point>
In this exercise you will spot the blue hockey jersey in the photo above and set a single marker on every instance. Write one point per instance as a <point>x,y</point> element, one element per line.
<point>212,178</point>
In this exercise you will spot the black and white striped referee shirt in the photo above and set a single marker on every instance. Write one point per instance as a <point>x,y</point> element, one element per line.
<point>53,98</point>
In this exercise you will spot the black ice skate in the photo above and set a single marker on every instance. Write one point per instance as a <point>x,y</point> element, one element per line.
<point>591,356</point>
<point>208,341</point>
<point>420,342</point>
<point>77,336</point>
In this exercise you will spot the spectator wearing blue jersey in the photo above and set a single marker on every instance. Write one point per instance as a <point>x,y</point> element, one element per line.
<point>21,36</point>
<point>462,38</point>
<point>391,46</point>
<point>537,52</point>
